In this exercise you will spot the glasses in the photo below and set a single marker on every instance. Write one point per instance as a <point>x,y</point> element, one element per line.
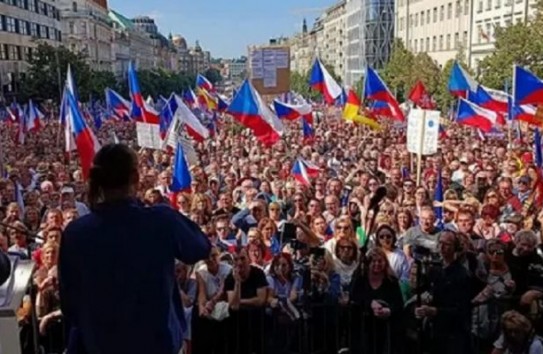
<point>385,236</point>
<point>221,228</point>
<point>343,228</point>
<point>496,252</point>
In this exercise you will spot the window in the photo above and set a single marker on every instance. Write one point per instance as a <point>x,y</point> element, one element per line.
<point>488,5</point>
<point>456,40</point>
<point>458,10</point>
<point>26,53</point>
<point>498,4</point>
<point>10,24</point>
<point>23,27</point>
<point>441,42</point>
<point>42,8</point>
<point>32,5</point>
<point>416,45</point>
<point>488,32</point>
<point>448,42</point>
<point>442,13</point>
<point>434,44</point>
<point>466,7</point>
<point>14,53</point>
<point>479,33</point>
<point>3,52</point>
<point>409,45</point>
<point>508,22</point>
<point>33,29</point>
<point>410,21</point>
<point>71,27</point>
<point>480,7</point>
<point>84,29</point>
<point>74,6</point>
<point>428,17</point>
<point>465,39</point>
<point>47,34</point>
<point>435,15</point>
<point>427,44</point>
<point>416,19</point>
<point>21,4</point>
<point>422,18</point>
<point>449,11</point>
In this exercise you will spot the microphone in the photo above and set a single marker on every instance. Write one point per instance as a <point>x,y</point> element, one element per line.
<point>377,198</point>
<point>374,206</point>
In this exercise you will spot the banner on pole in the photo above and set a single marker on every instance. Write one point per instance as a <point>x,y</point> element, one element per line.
<point>426,134</point>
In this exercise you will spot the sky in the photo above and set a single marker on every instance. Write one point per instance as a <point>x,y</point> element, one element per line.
<point>225,27</point>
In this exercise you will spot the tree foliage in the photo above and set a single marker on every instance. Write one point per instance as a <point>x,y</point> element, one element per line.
<point>398,73</point>
<point>46,77</point>
<point>213,75</point>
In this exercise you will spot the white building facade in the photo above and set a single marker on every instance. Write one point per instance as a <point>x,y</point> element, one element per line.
<point>443,28</point>
<point>87,29</point>
<point>334,36</point>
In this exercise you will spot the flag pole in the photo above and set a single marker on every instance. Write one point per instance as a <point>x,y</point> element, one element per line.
<point>422,129</point>
<point>511,110</point>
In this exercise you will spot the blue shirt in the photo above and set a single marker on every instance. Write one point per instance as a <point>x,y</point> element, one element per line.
<point>117,283</point>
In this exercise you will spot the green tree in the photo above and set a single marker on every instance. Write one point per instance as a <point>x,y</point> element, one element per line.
<point>99,81</point>
<point>213,75</point>
<point>47,72</point>
<point>426,70</point>
<point>398,73</point>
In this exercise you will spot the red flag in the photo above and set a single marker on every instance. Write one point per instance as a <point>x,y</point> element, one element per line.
<point>420,97</point>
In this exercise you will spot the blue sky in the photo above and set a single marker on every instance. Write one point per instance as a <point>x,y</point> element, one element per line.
<point>225,27</point>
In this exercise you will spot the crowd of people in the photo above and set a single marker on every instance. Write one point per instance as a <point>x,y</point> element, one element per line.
<point>357,261</point>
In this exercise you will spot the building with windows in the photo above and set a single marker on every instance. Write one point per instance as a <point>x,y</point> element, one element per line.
<point>87,28</point>
<point>334,35</point>
<point>24,24</point>
<point>444,28</point>
<point>134,45</point>
<point>164,53</point>
<point>234,69</point>
<point>370,35</point>
<point>191,60</point>
<point>490,14</point>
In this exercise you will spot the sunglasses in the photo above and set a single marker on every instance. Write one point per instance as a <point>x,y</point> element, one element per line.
<point>496,252</point>
<point>343,228</point>
<point>385,236</point>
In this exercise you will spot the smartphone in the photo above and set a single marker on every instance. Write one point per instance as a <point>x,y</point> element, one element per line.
<point>289,232</point>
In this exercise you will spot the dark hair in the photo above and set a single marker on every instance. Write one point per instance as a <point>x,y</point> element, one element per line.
<point>385,227</point>
<point>112,169</point>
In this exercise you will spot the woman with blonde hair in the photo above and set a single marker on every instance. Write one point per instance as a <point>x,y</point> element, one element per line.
<point>518,335</point>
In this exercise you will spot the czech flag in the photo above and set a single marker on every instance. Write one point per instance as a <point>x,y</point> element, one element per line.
<point>70,144</point>
<point>342,99</point>
<point>308,132</point>
<point>203,83</point>
<point>86,143</point>
<point>375,89</point>
<point>351,112</point>
<point>380,108</point>
<point>189,97</point>
<point>442,132</point>
<point>249,109</point>
<point>195,128</point>
<point>460,82</point>
<point>290,111</point>
<point>302,171</point>
<point>15,112</point>
<point>528,113</point>
<point>528,88</point>
<point>475,116</point>
<point>116,105</point>
<point>482,98</point>
<point>139,110</point>
<point>321,80</point>
<point>33,117</point>
<point>538,153</point>
<point>222,104</point>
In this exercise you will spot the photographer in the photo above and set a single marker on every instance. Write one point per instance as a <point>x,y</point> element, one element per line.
<point>450,309</point>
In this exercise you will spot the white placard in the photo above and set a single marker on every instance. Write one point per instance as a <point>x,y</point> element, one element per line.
<point>257,65</point>
<point>190,153</point>
<point>270,77</point>
<point>431,131</point>
<point>268,58</point>
<point>148,135</point>
<point>281,59</point>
